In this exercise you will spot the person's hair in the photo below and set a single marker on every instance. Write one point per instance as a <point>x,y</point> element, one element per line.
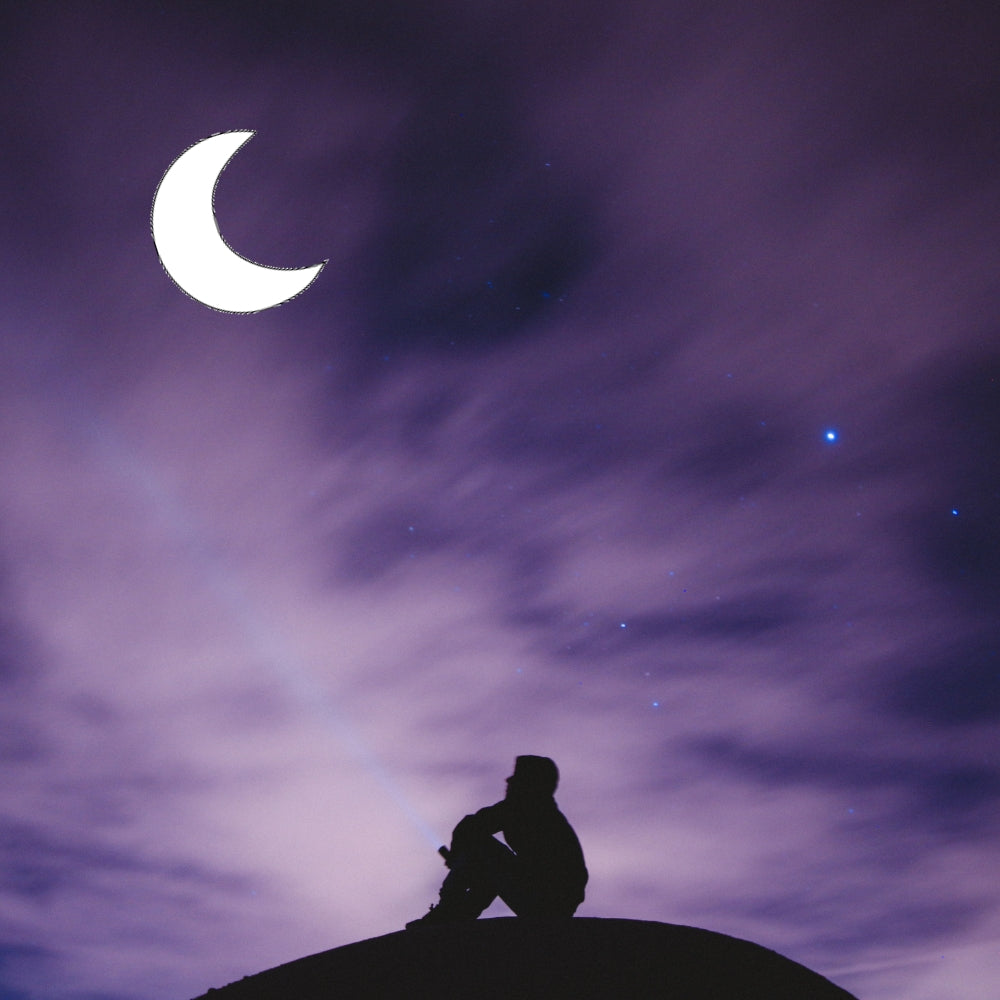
<point>537,774</point>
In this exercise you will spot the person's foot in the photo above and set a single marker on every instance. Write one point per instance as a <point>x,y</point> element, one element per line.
<point>430,917</point>
<point>453,909</point>
<point>437,914</point>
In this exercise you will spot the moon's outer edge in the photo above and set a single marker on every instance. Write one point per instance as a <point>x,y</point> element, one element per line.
<point>317,268</point>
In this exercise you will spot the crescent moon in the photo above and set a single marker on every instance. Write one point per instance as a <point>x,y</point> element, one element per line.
<point>193,251</point>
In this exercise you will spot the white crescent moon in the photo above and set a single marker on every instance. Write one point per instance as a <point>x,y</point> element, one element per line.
<point>192,249</point>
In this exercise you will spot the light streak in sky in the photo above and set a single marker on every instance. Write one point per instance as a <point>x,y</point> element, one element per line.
<point>270,643</point>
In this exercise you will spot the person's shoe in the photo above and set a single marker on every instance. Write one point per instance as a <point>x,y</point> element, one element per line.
<point>437,914</point>
<point>452,909</point>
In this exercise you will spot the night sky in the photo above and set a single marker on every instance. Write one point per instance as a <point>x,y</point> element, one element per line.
<point>646,416</point>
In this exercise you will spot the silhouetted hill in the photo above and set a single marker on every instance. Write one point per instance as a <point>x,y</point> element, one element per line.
<point>521,959</point>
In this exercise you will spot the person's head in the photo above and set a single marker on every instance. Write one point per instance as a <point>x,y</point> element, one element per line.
<point>533,777</point>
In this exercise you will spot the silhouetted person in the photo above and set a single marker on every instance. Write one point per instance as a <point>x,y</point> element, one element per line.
<point>540,872</point>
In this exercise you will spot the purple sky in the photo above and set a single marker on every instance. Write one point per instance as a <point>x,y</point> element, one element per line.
<point>539,464</point>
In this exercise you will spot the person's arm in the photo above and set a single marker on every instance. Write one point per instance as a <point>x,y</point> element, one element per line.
<point>483,823</point>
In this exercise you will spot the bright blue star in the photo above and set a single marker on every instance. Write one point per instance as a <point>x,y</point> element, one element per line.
<point>831,435</point>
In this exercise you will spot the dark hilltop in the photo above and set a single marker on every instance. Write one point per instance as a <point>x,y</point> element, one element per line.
<point>525,959</point>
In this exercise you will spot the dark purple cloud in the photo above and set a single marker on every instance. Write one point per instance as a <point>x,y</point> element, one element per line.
<point>539,464</point>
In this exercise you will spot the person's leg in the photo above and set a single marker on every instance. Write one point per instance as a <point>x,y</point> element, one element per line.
<point>477,868</point>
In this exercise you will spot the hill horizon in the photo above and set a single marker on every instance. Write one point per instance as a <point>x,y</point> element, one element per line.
<point>584,957</point>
